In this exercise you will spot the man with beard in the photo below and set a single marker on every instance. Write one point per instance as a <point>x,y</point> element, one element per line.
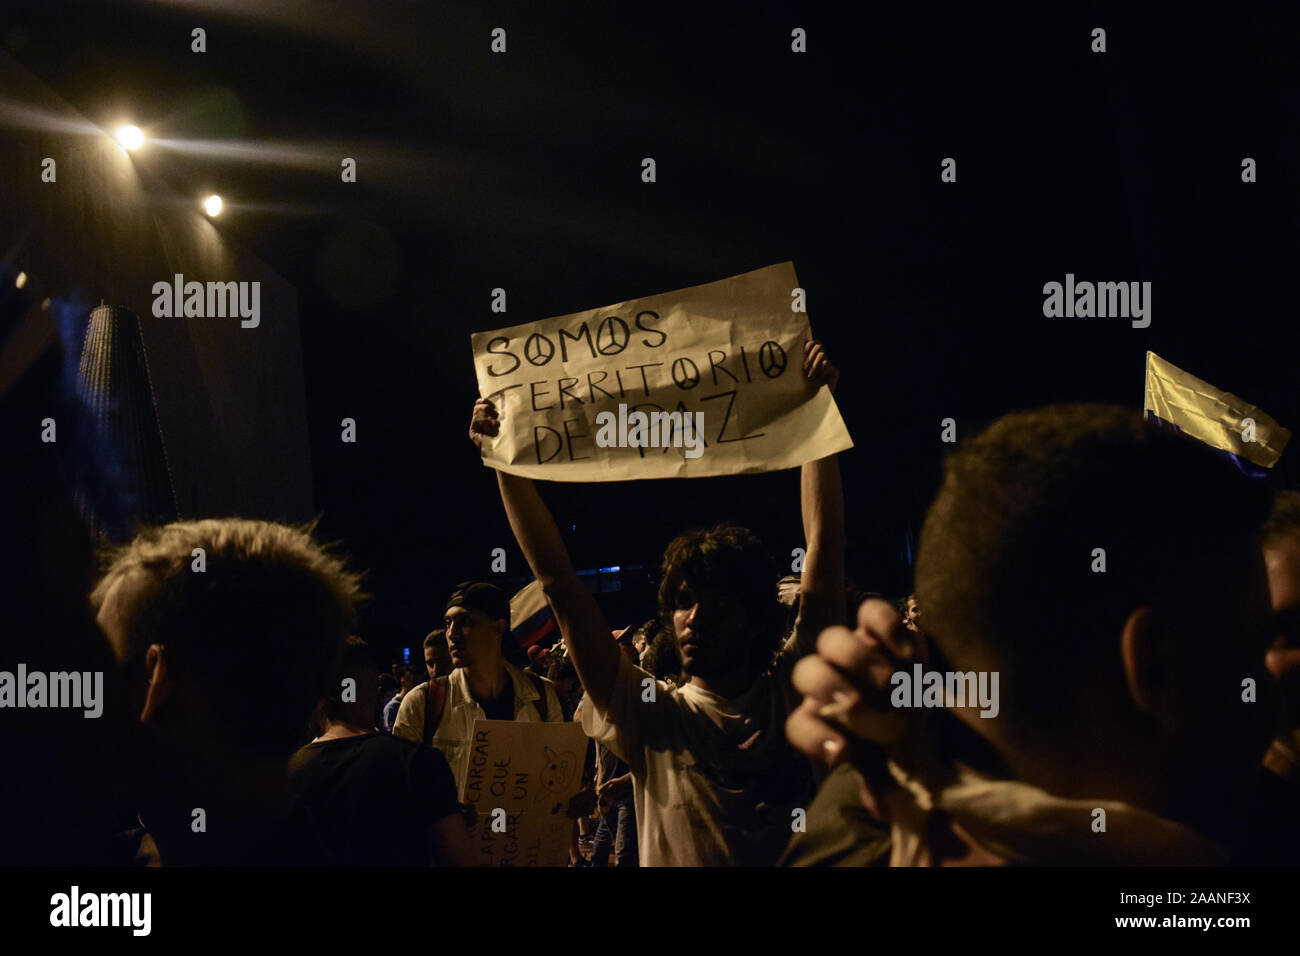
<point>714,781</point>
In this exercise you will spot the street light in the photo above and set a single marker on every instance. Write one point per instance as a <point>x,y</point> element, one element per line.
<point>130,137</point>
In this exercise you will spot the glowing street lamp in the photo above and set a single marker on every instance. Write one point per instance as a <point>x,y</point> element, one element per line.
<point>212,205</point>
<point>130,137</point>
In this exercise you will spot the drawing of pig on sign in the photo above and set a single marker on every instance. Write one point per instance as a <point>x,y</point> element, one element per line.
<point>559,770</point>
<point>521,778</point>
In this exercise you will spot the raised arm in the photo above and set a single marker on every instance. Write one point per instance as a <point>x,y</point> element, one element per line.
<point>821,587</point>
<point>583,626</point>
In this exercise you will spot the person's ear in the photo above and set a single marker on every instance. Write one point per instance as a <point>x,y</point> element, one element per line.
<point>1145,645</point>
<point>160,687</point>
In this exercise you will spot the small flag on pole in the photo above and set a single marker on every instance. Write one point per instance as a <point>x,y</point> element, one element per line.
<point>1218,418</point>
<point>532,621</point>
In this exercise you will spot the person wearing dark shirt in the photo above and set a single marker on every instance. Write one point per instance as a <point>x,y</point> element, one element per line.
<point>377,800</point>
<point>222,670</point>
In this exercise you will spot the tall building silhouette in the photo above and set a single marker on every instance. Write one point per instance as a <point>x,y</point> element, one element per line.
<point>116,389</point>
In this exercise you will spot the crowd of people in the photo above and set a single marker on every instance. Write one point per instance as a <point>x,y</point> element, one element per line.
<point>1148,707</point>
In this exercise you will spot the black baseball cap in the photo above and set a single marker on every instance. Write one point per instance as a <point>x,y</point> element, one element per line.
<point>487,599</point>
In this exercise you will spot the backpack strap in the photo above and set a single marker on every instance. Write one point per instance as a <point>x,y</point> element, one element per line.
<point>435,702</point>
<point>541,689</point>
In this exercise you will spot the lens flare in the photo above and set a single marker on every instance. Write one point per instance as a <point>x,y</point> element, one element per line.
<point>130,137</point>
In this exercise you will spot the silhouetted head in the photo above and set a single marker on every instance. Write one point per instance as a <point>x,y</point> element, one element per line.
<point>1110,571</point>
<point>228,629</point>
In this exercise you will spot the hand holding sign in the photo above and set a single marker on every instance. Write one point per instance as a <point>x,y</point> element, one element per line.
<point>483,421</point>
<point>690,383</point>
<point>818,368</point>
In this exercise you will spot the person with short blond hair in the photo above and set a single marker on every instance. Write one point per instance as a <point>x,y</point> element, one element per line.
<point>227,632</point>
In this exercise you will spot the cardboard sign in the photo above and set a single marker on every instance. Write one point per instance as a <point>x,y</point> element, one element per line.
<point>521,775</point>
<point>701,381</point>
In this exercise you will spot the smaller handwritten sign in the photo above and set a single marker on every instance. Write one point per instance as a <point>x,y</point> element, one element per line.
<point>520,776</point>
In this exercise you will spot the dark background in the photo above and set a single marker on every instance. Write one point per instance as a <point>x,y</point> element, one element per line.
<point>522,171</point>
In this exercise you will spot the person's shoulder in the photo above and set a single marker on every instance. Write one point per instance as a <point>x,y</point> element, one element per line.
<point>305,751</point>
<point>427,766</point>
<point>523,673</point>
<point>525,678</point>
<point>634,683</point>
<point>540,681</point>
<point>414,696</point>
<point>303,756</point>
<point>394,750</point>
<point>384,743</point>
<point>637,673</point>
<point>405,749</point>
<point>132,848</point>
<point>550,694</point>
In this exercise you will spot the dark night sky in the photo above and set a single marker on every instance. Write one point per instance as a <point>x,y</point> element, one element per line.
<point>522,171</point>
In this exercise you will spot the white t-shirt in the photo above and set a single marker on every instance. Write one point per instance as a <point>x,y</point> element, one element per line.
<point>456,729</point>
<point>714,779</point>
